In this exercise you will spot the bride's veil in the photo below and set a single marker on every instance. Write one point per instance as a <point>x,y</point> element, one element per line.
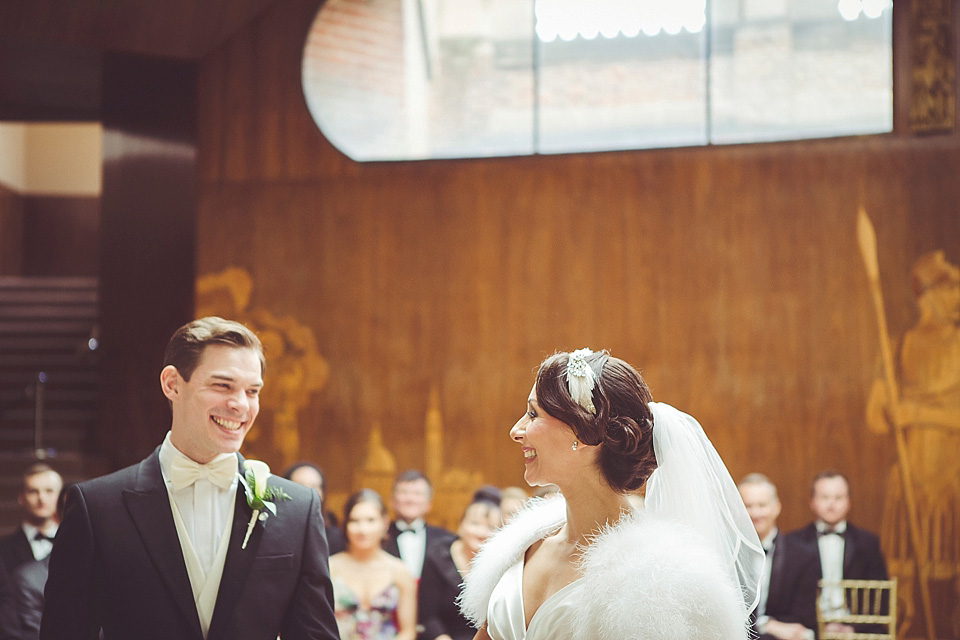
<point>691,484</point>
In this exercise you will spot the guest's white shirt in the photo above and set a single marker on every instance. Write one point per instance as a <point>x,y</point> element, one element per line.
<point>204,507</point>
<point>412,543</point>
<point>770,548</point>
<point>831,564</point>
<point>40,548</point>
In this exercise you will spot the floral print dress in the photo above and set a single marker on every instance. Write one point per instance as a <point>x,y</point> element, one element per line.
<point>378,622</point>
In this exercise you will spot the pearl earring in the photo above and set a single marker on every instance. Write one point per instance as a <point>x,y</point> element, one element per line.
<point>574,447</point>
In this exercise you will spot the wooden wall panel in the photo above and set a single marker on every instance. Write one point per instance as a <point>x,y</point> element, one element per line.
<point>11,232</point>
<point>730,275</point>
<point>147,243</point>
<point>61,235</point>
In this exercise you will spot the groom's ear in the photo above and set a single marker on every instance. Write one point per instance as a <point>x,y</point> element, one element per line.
<point>170,382</point>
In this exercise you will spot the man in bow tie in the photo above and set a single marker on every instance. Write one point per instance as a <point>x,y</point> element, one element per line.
<point>845,552</point>
<point>409,535</point>
<point>788,588</point>
<point>159,550</point>
<point>33,540</point>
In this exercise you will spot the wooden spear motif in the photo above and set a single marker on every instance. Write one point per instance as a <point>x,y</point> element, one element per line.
<point>867,238</point>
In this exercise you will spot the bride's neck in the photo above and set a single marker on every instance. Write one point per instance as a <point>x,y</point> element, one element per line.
<point>589,509</point>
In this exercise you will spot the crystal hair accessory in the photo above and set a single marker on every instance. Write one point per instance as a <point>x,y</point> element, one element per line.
<point>580,380</point>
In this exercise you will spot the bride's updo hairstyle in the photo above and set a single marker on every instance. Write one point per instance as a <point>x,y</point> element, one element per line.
<point>622,424</point>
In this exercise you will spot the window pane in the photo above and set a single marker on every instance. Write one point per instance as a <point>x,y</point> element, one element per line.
<point>482,94</point>
<point>788,69</point>
<point>413,79</point>
<point>627,74</point>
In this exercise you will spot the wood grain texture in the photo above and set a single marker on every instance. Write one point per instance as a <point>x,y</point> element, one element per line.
<point>729,275</point>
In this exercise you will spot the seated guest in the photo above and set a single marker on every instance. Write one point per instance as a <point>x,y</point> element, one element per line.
<point>311,476</point>
<point>27,583</point>
<point>845,552</point>
<point>788,604</point>
<point>409,535</point>
<point>512,500</point>
<point>33,540</point>
<point>444,568</point>
<point>375,598</point>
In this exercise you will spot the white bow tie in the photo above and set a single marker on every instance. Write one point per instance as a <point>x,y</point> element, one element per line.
<point>220,472</point>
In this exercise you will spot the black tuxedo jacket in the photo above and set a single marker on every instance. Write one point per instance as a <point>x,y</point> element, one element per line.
<point>15,550</point>
<point>439,587</point>
<point>794,572</point>
<point>9,623</point>
<point>117,564</point>
<point>434,534</point>
<point>862,558</point>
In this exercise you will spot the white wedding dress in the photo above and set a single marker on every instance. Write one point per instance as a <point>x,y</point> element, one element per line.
<point>506,619</point>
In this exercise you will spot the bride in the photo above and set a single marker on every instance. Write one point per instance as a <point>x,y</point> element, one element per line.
<point>686,565</point>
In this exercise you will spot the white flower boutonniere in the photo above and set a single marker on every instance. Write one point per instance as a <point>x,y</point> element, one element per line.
<point>260,497</point>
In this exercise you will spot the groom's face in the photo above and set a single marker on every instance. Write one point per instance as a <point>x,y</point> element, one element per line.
<point>214,410</point>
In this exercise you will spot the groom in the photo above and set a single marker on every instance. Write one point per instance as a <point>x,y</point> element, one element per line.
<point>157,551</point>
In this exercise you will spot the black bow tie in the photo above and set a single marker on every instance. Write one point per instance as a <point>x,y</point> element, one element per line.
<point>407,528</point>
<point>828,532</point>
<point>39,535</point>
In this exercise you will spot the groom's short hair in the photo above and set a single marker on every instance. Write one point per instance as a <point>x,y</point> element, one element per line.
<point>187,344</point>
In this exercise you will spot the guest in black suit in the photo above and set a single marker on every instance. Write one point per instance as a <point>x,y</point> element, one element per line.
<point>9,625</point>
<point>845,552</point>
<point>788,590</point>
<point>170,547</point>
<point>411,501</point>
<point>445,566</point>
<point>33,540</point>
<point>312,477</point>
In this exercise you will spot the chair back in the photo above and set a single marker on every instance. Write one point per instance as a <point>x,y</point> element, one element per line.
<point>869,606</point>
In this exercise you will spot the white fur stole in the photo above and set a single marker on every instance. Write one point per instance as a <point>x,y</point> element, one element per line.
<point>645,578</point>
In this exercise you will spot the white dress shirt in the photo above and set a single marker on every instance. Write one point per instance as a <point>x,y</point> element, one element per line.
<point>770,548</point>
<point>40,548</point>
<point>831,564</point>
<point>203,506</point>
<point>412,543</point>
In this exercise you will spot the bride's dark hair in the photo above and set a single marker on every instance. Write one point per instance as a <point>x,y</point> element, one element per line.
<point>623,424</point>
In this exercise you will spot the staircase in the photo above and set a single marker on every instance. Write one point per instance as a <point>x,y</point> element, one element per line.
<point>48,380</point>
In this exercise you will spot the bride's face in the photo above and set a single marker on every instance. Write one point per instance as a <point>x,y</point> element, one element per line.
<point>546,444</point>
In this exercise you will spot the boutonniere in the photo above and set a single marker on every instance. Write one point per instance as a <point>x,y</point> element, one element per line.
<point>260,497</point>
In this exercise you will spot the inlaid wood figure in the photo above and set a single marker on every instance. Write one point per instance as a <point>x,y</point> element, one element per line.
<point>927,366</point>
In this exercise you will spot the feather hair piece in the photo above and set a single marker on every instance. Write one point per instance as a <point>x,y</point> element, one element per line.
<point>580,379</point>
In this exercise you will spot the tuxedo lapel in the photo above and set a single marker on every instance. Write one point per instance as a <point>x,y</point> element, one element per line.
<point>778,559</point>
<point>149,508</point>
<point>448,568</point>
<point>236,567</point>
<point>849,551</point>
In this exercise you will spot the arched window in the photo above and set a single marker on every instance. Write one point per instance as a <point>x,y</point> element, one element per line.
<point>416,79</point>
